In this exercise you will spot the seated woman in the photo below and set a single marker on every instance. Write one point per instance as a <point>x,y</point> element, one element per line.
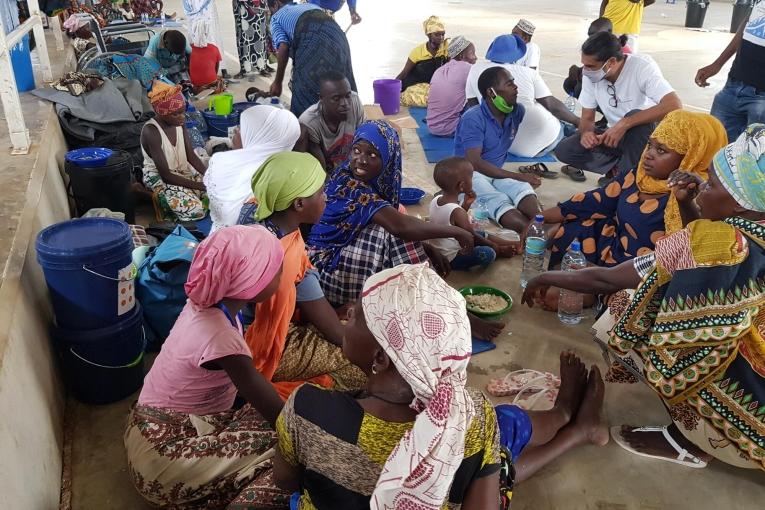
<point>264,131</point>
<point>422,63</point>
<point>289,190</point>
<point>626,218</point>
<point>362,232</point>
<point>186,446</point>
<point>171,169</point>
<point>417,433</point>
<point>695,322</point>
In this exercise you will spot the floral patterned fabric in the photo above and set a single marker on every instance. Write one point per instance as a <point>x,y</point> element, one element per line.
<point>184,461</point>
<point>175,202</point>
<point>251,34</point>
<point>422,325</point>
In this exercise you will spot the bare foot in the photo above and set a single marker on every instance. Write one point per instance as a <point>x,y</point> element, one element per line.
<point>485,330</point>
<point>589,421</point>
<point>573,381</point>
<point>654,443</point>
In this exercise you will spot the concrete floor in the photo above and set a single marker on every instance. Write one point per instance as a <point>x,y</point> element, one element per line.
<point>591,478</point>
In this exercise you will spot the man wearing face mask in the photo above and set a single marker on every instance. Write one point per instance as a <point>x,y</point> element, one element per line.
<point>484,135</point>
<point>633,96</point>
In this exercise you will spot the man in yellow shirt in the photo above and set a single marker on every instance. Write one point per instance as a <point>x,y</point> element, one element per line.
<point>627,16</point>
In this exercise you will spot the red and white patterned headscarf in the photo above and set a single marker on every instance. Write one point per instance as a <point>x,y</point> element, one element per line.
<point>165,98</point>
<point>422,325</point>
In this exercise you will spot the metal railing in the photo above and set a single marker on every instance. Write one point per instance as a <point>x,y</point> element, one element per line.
<point>9,93</point>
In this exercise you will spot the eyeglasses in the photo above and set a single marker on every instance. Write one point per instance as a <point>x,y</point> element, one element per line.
<point>613,102</point>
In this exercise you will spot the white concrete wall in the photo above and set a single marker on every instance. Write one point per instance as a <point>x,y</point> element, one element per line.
<point>31,392</point>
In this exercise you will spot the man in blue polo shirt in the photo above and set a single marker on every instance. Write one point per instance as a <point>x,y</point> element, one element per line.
<point>484,136</point>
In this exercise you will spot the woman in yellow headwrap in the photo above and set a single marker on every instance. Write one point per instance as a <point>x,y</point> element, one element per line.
<point>423,62</point>
<point>625,218</point>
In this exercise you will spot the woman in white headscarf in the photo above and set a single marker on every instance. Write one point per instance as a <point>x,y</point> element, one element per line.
<point>265,130</point>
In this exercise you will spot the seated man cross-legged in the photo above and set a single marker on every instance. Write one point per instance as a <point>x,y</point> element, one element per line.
<point>483,137</point>
<point>546,120</point>
<point>632,94</point>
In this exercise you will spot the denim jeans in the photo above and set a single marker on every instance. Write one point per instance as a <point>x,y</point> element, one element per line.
<point>480,256</point>
<point>737,105</point>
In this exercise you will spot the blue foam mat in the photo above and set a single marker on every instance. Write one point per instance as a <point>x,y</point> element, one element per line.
<point>480,346</point>
<point>439,147</point>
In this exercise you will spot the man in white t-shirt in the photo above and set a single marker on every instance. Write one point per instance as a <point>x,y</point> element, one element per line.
<point>541,128</point>
<point>633,96</point>
<point>525,30</point>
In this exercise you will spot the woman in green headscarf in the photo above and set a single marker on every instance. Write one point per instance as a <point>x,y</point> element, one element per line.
<point>289,191</point>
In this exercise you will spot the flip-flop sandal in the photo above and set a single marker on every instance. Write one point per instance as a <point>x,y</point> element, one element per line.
<point>529,397</point>
<point>519,380</point>
<point>683,457</point>
<point>539,169</point>
<point>575,174</point>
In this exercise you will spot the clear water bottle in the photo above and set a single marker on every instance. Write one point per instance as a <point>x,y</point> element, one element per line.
<point>534,255</point>
<point>479,214</point>
<point>570,303</point>
<point>162,18</point>
<point>570,102</point>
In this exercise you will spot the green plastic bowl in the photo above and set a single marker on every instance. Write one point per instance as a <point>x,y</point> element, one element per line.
<point>473,290</point>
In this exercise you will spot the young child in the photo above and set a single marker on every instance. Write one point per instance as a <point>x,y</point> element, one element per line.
<point>455,176</point>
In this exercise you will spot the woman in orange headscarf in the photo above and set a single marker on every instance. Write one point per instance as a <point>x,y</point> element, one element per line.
<point>625,218</point>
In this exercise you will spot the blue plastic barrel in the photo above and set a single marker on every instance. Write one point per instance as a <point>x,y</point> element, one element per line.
<point>115,345</point>
<point>217,125</point>
<point>82,260</point>
<point>22,65</point>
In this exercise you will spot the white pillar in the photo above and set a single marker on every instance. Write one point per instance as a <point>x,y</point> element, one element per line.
<point>9,95</point>
<point>41,45</point>
<point>58,34</point>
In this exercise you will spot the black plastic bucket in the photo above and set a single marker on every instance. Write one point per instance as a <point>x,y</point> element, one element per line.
<point>96,383</point>
<point>104,186</point>
<point>696,11</point>
<point>115,345</point>
<point>741,11</point>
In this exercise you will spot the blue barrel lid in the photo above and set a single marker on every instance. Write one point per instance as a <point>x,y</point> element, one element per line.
<point>84,241</point>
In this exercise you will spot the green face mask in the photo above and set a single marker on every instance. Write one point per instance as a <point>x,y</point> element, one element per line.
<point>501,104</point>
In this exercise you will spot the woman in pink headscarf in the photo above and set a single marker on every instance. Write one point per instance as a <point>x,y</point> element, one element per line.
<point>186,445</point>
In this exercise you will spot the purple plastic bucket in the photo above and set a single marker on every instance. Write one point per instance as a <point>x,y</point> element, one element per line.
<point>388,95</point>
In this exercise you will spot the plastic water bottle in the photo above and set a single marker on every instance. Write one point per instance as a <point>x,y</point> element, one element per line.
<point>570,303</point>
<point>570,102</point>
<point>534,255</point>
<point>479,214</point>
<point>162,18</point>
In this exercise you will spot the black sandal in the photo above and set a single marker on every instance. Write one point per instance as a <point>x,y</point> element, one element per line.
<point>575,174</point>
<point>539,169</point>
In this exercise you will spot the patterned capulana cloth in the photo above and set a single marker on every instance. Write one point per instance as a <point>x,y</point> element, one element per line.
<point>697,323</point>
<point>343,449</point>
<point>198,462</point>
<point>421,323</point>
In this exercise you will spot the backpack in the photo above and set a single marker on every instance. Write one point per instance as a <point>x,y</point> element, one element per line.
<point>159,287</point>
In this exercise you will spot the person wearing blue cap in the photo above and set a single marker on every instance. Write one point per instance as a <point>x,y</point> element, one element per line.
<point>484,135</point>
<point>547,120</point>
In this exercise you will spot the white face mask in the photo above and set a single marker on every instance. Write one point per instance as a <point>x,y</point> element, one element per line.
<point>595,76</point>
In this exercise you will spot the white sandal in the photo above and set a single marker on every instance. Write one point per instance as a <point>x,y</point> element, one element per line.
<point>683,457</point>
